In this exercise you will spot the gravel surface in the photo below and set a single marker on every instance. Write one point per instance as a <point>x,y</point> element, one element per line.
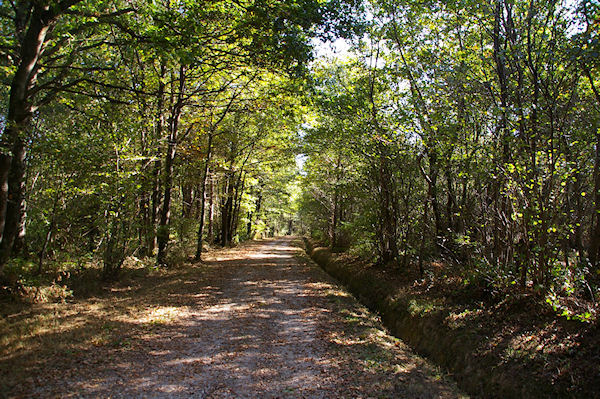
<point>257,321</point>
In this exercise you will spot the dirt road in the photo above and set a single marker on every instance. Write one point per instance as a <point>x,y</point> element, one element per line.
<point>257,321</point>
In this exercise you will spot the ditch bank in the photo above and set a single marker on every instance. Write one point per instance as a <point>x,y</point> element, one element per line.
<point>500,350</point>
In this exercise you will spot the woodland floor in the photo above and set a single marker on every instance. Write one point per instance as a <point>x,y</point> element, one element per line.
<point>259,320</point>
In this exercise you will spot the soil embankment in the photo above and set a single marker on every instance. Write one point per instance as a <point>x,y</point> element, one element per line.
<point>494,348</point>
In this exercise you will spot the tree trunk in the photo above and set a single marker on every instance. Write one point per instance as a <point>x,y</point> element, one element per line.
<point>198,256</point>
<point>19,247</point>
<point>594,250</point>
<point>211,210</point>
<point>16,186</point>
<point>333,220</point>
<point>502,132</point>
<point>239,191</point>
<point>165,217</point>
<point>5,160</point>
<point>451,199</point>
<point>51,227</point>
<point>594,247</point>
<point>155,195</point>
<point>433,175</point>
<point>226,208</point>
<point>186,196</point>
<point>249,226</point>
<point>17,122</point>
<point>422,244</point>
<point>334,209</point>
<point>388,220</point>
<point>145,228</point>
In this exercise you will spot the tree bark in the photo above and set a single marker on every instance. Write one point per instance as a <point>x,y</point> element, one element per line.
<point>20,109</point>
<point>334,209</point>
<point>16,185</point>
<point>433,190</point>
<point>211,210</point>
<point>594,250</point>
<point>422,244</point>
<point>155,199</point>
<point>51,228</point>
<point>388,219</point>
<point>450,199</point>
<point>198,256</point>
<point>20,246</point>
<point>5,160</point>
<point>498,200</point>
<point>333,220</point>
<point>165,217</point>
<point>187,194</point>
<point>226,208</point>
<point>239,191</point>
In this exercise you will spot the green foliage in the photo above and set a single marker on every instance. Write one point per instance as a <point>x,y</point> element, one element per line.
<point>450,135</point>
<point>121,82</point>
<point>446,119</point>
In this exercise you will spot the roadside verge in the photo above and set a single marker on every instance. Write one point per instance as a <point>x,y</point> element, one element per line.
<point>482,347</point>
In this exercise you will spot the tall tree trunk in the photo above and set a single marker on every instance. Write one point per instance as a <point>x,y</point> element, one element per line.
<point>422,244</point>
<point>4,169</point>
<point>211,210</point>
<point>239,191</point>
<point>451,198</point>
<point>387,207</point>
<point>498,200</point>
<point>257,208</point>
<point>224,211</point>
<point>249,226</point>
<point>594,250</point>
<point>19,247</point>
<point>388,220</point>
<point>226,207</point>
<point>333,219</point>
<point>186,196</point>
<point>51,227</point>
<point>435,206</point>
<point>16,186</point>
<point>165,217</point>
<point>155,202</point>
<point>143,202</point>
<point>155,199</point>
<point>18,120</point>
<point>198,256</point>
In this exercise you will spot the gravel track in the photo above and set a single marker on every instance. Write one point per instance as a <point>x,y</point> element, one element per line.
<point>257,321</point>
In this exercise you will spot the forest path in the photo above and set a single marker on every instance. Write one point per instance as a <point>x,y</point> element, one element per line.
<point>256,321</point>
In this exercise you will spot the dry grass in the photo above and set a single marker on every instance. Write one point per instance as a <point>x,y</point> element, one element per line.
<point>37,336</point>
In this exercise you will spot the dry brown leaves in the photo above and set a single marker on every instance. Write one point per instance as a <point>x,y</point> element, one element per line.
<point>259,320</point>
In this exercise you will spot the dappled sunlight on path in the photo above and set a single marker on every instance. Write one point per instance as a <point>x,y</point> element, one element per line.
<point>261,321</point>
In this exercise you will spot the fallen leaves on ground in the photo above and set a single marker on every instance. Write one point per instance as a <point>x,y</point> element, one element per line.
<point>257,320</point>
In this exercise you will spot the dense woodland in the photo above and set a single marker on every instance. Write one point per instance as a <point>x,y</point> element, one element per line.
<point>465,132</point>
<point>134,128</point>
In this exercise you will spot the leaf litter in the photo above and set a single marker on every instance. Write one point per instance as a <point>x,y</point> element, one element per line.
<point>258,320</point>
